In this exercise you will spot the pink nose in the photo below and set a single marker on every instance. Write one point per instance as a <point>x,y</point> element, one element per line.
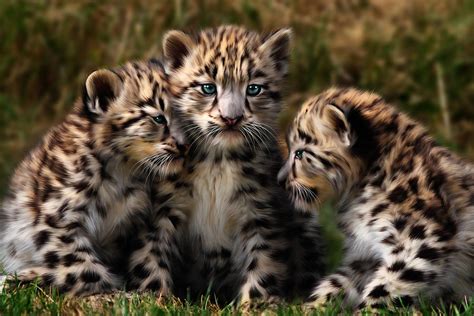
<point>231,121</point>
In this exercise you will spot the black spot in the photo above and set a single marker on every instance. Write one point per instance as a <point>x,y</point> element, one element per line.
<point>66,239</point>
<point>162,103</point>
<point>390,239</point>
<point>281,255</point>
<point>162,264</point>
<point>379,208</point>
<point>397,249</point>
<point>47,279</point>
<point>225,253</point>
<point>398,195</point>
<point>268,281</point>
<point>428,253</point>
<point>175,220</point>
<point>141,271</point>
<point>378,291</point>
<point>417,232</point>
<point>412,275</point>
<point>335,283</point>
<point>51,259</point>
<point>397,266</point>
<point>400,223</point>
<point>154,285</point>
<point>70,259</point>
<point>419,204</point>
<point>304,137</point>
<point>41,239</point>
<point>252,265</point>
<point>254,293</point>
<point>413,184</point>
<point>89,276</point>
<point>71,279</point>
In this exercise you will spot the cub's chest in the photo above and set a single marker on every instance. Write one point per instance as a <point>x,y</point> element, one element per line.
<point>217,210</point>
<point>113,209</point>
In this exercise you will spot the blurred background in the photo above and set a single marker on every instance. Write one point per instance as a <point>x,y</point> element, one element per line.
<point>419,54</point>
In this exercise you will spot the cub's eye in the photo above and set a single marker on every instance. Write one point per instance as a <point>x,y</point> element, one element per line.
<point>254,90</point>
<point>160,119</point>
<point>208,88</point>
<point>299,154</point>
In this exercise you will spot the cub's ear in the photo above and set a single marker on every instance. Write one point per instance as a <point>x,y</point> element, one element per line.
<point>277,44</point>
<point>176,46</point>
<point>337,121</point>
<point>101,88</point>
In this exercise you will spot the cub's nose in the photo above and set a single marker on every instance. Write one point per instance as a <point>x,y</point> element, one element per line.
<point>231,121</point>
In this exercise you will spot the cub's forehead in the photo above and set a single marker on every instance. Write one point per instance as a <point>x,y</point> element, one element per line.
<point>145,78</point>
<point>224,38</point>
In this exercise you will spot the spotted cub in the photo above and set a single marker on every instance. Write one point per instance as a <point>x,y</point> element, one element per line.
<point>74,199</point>
<point>405,204</point>
<point>240,235</point>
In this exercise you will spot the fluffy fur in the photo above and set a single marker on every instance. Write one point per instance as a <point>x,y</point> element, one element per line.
<point>73,202</point>
<point>405,204</point>
<point>238,236</point>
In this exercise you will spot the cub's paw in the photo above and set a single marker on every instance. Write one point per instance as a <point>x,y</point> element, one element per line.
<point>325,291</point>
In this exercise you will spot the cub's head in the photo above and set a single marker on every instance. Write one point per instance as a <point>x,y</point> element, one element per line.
<point>329,144</point>
<point>132,117</point>
<point>227,82</point>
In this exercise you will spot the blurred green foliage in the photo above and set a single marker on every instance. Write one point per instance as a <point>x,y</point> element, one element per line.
<point>416,53</point>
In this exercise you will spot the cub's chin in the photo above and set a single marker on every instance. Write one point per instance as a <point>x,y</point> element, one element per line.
<point>229,139</point>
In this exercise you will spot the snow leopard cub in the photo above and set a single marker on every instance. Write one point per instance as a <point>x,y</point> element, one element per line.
<point>80,190</point>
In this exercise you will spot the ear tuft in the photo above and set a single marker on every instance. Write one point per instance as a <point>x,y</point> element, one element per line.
<point>176,46</point>
<point>278,45</point>
<point>102,86</point>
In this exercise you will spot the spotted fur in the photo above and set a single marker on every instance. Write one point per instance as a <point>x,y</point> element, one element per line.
<point>405,204</point>
<point>238,235</point>
<point>73,202</point>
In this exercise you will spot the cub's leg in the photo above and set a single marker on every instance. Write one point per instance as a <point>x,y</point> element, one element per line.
<point>403,277</point>
<point>264,259</point>
<point>156,248</point>
<point>69,263</point>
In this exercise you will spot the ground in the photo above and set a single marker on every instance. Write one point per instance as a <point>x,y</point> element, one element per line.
<point>32,300</point>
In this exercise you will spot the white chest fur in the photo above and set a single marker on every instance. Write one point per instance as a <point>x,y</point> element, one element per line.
<point>216,213</point>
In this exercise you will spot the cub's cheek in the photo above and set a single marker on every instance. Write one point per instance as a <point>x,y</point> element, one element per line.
<point>320,184</point>
<point>139,150</point>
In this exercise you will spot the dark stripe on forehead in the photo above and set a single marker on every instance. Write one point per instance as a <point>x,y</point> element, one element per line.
<point>162,104</point>
<point>258,74</point>
<point>133,120</point>
<point>304,137</point>
<point>146,102</point>
<point>155,89</point>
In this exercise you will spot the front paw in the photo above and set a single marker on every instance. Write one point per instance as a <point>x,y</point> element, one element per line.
<point>322,294</point>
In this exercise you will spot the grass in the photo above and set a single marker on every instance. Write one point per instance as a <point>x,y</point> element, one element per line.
<point>418,54</point>
<point>32,300</point>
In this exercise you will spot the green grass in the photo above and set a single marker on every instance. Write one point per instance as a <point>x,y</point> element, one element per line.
<point>32,300</point>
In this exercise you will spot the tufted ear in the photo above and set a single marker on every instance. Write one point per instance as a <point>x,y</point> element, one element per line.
<point>176,46</point>
<point>277,44</point>
<point>101,88</point>
<point>337,121</point>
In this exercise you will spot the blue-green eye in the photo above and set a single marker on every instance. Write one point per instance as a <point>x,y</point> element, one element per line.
<point>208,88</point>
<point>160,119</point>
<point>254,89</point>
<point>299,154</point>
